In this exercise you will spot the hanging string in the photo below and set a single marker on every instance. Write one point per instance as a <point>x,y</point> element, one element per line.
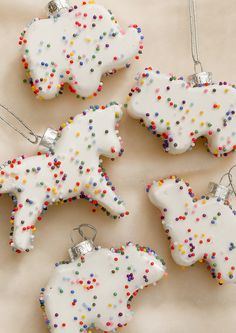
<point>29,135</point>
<point>194,35</point>
<point>229,175</point>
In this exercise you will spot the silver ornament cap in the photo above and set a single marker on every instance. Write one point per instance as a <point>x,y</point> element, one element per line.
<point>220,191</point>
<point>48,140</point>
<point>54,7</point>
<point>81,249</point>
<point>199,79</point>
<point>84,247</point>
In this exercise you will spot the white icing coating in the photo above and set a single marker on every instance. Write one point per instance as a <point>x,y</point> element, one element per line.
<point>77,48</point>
<point>180,113</point>
<point>95,291</point>
<point>73,171</point>
<point>203,229</point>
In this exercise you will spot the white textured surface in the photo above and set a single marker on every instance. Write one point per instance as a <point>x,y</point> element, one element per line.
<point>187,300</point>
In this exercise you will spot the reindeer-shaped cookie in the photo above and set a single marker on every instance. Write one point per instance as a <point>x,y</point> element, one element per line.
<point>76,47</point>
<point>179,113</point>
<point>95,291</point>
<point>203,229</point>
<point>72,171</point>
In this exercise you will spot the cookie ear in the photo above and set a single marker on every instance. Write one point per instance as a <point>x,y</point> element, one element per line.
<point>117,111</point>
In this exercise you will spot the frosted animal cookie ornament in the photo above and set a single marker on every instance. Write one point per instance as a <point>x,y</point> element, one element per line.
<point>198,229</point>
<point>94,290</point>
<point>71,171</point>
<point>76,45</point>
<point>180,111</point>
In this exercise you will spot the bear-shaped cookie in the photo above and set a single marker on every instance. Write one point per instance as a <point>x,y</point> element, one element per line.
<point>72,171</point>
<point>76,47</point>
<point>180,113</point>
<point>203,229</point>
<point>96,290</point>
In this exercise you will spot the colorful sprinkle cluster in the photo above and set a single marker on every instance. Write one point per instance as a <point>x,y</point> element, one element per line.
<point>198,229</point>
<point>76,47</point>
<point>98,296</point>
<point>179,113</point>
<point>71,172</point>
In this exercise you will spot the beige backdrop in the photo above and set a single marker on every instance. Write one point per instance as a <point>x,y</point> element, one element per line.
<point>186,301</point>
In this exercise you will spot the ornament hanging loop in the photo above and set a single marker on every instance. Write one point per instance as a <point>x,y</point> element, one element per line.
<point>46,142</point>
<point>86,246</point>
<point>28,135</point>
<point>202,77</point>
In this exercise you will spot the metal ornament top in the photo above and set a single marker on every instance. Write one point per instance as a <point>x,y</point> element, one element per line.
<point>56,6</point>
<point>220,191</point>
<point>86,246</point>
<point>48,140</point>
<point>201,78</point>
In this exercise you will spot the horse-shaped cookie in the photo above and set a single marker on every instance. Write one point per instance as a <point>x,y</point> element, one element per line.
<point>203,229</point>
<point>96,290</point>
<point>76,47</point>
<point>72,171</point>
<point>179,113</point>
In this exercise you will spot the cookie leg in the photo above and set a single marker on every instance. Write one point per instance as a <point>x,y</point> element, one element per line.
<point>25,216</point>
<point>222,142</point>
<point>44,86</point>
<point>106,197</point>
<point>85,81</point>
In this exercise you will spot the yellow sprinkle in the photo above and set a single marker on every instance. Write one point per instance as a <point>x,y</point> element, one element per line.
<point>71,42</point>
<point>2,181</point>
<point>72,54</point>
<point>24,181</point>
<point>109,305</point>
<point>77,152</point>
<point>226,90</point>
<point>83,316</point>
<point>187,111</point>
<point>183,252</point>
<point>201,113</point>
<point>202,123</point>
<point>193,120</point>
<point>196,235</point>
<point>75,189</point>
<point>87,185</point>
<point>88,40</point>
<point>78,134</point>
